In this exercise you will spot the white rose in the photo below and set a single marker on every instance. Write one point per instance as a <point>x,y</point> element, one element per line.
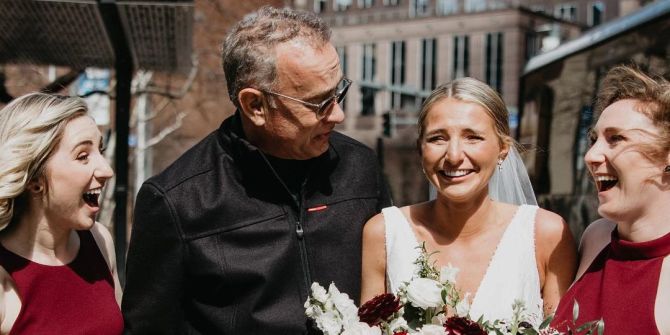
<point>329,323</point>
<point>432,330</point>
<point>424,293</point>
<point>319,293</point>
<point>344,305</point>
<point>312,311</point>
<point>448,273</point>
<point>361,328</point>
<point>463,306</point>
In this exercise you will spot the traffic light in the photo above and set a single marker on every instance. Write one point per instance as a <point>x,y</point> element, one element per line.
<point>386,117</point>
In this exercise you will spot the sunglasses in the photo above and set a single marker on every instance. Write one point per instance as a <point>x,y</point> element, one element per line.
<point>320,109</point>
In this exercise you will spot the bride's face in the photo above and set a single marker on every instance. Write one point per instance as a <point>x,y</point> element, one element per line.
<point>460,149</point>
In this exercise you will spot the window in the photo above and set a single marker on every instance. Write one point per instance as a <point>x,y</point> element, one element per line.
<point>533,44</point>
<point>474,6</point>
<point>341,5</point>
<point>596,13</point>
<point>418,7</point>
<point>320,6</point>
<point>368,62</point>
<point>368,76</point>
<point>494,60</point>
<point>342,53</point>
<point>428,64</point>
<point>391,2</point>
<point>566,12</point>
<point>366,3</point>
<point>446,7</point>
<point>461,59</point>
<point>397,71</point>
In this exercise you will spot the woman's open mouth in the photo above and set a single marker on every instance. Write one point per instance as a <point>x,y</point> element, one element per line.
<point>605,183</point>
<point>91,197</point>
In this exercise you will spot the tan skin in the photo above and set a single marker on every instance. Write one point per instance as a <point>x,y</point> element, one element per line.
<point>291,130</point>
<point>46,232</point>
<point>637,205</point>
<point>463,224</point>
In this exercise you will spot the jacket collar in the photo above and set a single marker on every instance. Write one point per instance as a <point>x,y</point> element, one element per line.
<point>259,177</point>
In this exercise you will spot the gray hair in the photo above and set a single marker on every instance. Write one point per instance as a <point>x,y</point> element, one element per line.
<point>31,127</point>
<point>249,49</point>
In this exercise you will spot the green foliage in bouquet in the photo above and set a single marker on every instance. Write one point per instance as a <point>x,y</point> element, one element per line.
<point>429,303</point>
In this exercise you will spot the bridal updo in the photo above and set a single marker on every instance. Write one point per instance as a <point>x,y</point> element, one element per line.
<point>31,127</point>
<point>473,91</point>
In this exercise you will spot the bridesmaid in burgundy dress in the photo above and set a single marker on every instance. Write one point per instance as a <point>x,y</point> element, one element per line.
<point>624,273</point>
<point>57,267</point>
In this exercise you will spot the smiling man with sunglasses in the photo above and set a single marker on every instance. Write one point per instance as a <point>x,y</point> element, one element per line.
<point>229,238</point>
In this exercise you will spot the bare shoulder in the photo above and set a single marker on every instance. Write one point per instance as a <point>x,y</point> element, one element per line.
<point>662,307</point>
<point>374,229</point>
<point>103,239</point>
<point>10,303</point>
<point>549,226</point>
<point>555,246</point>
<point>596,236</point>
<point>100,231</point>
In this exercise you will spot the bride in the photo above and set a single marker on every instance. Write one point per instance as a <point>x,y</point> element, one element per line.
<point>504,251</point>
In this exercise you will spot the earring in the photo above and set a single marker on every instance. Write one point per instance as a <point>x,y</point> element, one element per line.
<point>500,161</point>
<point>667,169</point>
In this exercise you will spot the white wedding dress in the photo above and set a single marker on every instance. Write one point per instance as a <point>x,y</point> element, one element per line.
<point>511,273</point>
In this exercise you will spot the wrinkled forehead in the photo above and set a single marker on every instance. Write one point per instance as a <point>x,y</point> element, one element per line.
<point>301,65</point>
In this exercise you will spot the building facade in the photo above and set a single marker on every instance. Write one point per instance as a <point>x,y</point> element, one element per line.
<point>397,51</point>
<point>559,90</point>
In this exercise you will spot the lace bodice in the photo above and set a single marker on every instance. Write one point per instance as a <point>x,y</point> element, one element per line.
<point>511,274</point>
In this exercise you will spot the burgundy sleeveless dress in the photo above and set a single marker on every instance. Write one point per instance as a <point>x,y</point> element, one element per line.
<point>77,298</point>
<point>620,287</point>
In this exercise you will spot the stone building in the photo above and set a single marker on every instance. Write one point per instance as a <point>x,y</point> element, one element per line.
<point>559,89</point>
<point>397,51</point>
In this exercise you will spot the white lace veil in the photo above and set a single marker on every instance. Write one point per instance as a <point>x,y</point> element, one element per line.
<point>510,182</point>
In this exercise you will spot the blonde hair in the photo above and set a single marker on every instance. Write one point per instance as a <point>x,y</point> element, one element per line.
<point>474,91</point>
<point>31,127</point>
<point>628,82</point>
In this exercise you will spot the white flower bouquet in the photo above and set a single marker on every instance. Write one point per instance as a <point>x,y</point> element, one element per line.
<point>429,304</point>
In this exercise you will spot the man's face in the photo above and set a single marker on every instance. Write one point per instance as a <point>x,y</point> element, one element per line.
<point>293,130</point>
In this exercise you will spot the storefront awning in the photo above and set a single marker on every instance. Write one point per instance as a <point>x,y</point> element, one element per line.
<point>80,33</point>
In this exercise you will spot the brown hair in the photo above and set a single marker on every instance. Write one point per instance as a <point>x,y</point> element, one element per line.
<point>248,54</point>
<point>629,82</point>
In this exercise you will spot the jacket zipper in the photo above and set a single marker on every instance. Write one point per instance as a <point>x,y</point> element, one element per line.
<point>300,233</point>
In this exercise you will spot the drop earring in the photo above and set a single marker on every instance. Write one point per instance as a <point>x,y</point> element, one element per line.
<point>500,161</point>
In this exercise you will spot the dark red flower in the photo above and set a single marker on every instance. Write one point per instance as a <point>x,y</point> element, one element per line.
<point>457,325</point>
<point>379,309</point>
<point>401,333</point>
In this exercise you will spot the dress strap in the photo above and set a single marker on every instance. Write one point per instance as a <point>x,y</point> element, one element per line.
<point>401,248</point>
<point>512,272</point>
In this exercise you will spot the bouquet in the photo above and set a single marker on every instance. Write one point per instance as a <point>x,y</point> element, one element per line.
<point>429,304</point>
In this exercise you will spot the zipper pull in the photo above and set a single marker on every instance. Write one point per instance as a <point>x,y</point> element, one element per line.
<point>298,230</point>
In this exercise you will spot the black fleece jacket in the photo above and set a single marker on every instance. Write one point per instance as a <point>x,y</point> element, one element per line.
<point>220,246</point>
